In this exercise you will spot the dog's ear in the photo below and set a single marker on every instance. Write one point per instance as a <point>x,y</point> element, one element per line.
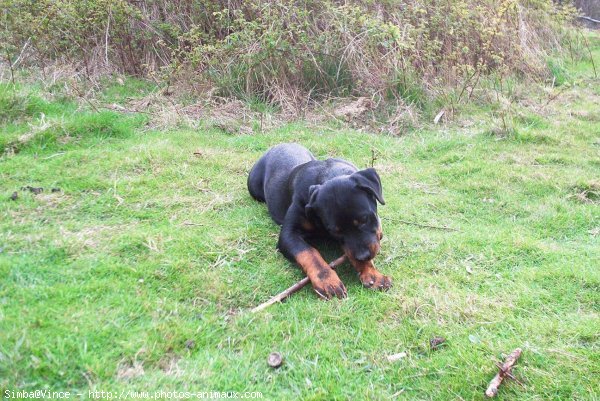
<point>368,180</point>
<point>311,205</point>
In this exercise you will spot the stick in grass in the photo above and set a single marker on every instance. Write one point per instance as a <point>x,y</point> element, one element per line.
<point>508,364</point>
<point>295,288</point>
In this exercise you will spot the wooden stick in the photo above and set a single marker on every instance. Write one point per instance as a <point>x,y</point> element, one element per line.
<point>295,288</point>
<point>414,223</point>
<point>508,364</point>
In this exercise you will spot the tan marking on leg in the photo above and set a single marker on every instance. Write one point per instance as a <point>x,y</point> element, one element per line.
<point>369,276</point>
<point>324,279</point>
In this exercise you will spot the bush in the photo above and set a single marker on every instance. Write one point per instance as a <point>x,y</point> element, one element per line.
<point>288,51</point>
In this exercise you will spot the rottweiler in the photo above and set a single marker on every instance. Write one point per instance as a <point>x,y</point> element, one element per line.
<point>309,198</point>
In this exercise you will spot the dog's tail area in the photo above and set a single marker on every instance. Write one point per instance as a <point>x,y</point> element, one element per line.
<point>255,182</point>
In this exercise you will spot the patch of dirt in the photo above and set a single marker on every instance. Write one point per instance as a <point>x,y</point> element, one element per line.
<point>128,371</point>
<point>436,304</point>
<point>52,199</point>
<point>354,109</point>
<point>90,237</point>
<point>515,158</point>
<point>230,115</point>
<point>169,364</point>
<point>235,117</point>
<point>382,118</point>
<point>587,115</point>
<point>588,192</point>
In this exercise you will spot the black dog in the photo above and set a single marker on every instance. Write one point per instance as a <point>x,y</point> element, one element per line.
<point>309,197</point>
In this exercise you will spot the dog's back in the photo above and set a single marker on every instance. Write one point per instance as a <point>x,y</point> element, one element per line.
<point>268,179</point>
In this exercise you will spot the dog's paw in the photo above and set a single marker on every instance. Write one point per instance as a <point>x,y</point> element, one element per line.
<point>329,286</point>
<point>373,279</point>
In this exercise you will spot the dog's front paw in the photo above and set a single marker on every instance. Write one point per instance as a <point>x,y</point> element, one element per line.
<point>371,278</point>
<point>329,285</point>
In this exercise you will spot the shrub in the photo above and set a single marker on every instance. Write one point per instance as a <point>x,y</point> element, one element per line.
<point>289,51</point>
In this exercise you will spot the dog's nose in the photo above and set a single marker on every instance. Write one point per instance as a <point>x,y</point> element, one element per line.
<point>363,255</point>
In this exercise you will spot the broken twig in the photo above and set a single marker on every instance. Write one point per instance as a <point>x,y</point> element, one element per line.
<point>589,19</point>
<point>508,364</point>
<point>295,288</point>
<point>414,223</point>
<point>439,116</point>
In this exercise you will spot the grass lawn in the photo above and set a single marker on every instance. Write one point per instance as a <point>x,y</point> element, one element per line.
<point>139,271</point>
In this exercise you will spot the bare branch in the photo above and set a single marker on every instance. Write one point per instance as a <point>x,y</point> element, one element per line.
<point>508,364</point>
<point>295,288</point>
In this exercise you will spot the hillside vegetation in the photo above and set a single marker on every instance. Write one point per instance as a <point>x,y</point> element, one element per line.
<point>291,53</point>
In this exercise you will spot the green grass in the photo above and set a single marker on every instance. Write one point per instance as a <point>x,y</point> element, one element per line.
<point>150,257</point>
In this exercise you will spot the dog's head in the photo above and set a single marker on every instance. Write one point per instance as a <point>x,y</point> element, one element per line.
<point>347,208</point>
